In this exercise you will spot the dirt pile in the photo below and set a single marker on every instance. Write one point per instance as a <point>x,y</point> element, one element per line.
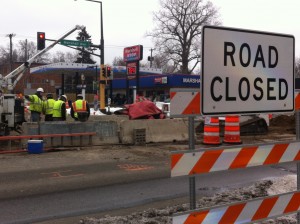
<point>283,120</point>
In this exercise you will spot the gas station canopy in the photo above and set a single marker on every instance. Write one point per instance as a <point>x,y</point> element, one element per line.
<point>65,68</point>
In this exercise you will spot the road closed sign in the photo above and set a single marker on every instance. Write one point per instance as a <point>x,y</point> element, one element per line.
<point>246,71</point>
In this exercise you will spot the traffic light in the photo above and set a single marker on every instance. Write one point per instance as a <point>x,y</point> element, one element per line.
<point>41,40</point>
<point>103,71</point>
<point>108,71</point>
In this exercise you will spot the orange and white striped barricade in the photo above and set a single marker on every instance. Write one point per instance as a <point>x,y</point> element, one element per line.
<point>244,212</point>
<point>230,158</point>
<point>232,130</point>
<point>204,161</point>
<point>297,100</point>
<point>211,135</point>
<point>184,102</point>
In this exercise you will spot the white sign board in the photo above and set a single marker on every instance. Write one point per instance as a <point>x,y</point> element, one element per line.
<point>246,71</point>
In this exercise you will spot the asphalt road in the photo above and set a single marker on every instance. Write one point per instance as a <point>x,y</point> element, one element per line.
<point>105,198</point>
<point>49,186</point>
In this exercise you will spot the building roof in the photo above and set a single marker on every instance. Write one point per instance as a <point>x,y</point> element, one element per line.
<point>70,68</point>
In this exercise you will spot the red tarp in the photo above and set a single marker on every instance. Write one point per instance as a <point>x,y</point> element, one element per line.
<point>144,110</point>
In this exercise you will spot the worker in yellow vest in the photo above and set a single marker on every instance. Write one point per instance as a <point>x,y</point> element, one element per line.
<point>36,104</point>
<point>59,109</point>
<point>48,107</point>
<point>80,109</point>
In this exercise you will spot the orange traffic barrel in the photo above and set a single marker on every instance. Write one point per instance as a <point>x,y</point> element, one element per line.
<point>211,131</point>
<point>232,130</point>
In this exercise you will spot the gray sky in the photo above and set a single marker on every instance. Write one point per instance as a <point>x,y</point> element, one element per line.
<point>127,21</point>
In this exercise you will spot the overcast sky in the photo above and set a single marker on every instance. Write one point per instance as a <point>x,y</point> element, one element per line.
<point>127,21</point>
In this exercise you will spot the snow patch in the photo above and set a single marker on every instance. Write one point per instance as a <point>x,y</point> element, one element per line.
<point>164,216</point>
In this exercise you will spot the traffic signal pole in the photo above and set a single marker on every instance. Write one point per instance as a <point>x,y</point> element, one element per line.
<point>102,85</point>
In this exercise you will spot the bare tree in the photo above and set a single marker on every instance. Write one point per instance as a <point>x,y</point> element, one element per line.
<point>60,56</point>
<point>297,67</point>
<point>26,50</point>
<point>161,61</point>
<point>5,54</point>
<point>71,56</point>
<point>177,34</point>
<point>118,61</point>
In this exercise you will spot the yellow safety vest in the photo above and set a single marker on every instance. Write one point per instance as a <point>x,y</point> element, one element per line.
<point>36,104</point>
<point>79,106</point>
<point>57,108</point>
<point>49,106</point>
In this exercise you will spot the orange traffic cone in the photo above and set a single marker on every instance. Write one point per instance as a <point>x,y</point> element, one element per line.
<point>211,131</point>
<point>232,130</point>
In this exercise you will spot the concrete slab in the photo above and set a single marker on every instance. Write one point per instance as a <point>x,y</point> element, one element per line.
<point>158,130</point>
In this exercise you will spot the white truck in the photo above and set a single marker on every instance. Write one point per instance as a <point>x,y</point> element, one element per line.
<point>11,107</point>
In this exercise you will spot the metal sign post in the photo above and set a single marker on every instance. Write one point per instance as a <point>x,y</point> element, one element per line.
<point>297,115</point>
<point>186,102</point>
<point>132,56</point>
<point>192,180</point>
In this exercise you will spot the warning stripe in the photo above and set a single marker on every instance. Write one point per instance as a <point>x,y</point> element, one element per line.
<point>184,103</point>
<point>219,159</point>
<point>244,212</point>
<point>297,101</point>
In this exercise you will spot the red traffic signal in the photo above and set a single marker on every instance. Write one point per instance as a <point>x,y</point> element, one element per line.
<point>108,71</point>
<point>41,35</point>
<point>41,38</point>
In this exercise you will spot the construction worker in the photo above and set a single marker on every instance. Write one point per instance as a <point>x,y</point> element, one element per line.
<point>59,109</point>
<point>36,105</point>
<point>80,109</point>
<point>48,107</point>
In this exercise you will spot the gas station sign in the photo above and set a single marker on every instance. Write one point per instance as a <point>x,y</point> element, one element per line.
<point>134,53</point>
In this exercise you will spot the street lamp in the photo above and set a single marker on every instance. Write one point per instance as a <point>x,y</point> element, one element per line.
<point>101,28</point>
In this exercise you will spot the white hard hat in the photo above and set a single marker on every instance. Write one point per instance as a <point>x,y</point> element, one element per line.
<point>40,90</point>
<point>64,96</point>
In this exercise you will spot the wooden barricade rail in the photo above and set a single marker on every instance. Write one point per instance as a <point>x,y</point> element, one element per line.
<point>51,136</point>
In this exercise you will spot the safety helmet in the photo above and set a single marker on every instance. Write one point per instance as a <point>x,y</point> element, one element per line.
<point>79,96</point>
<point>64,96</point>
<point>40,90</point>
<point>49,95</point>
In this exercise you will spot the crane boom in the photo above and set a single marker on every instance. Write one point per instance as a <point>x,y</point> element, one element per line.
<point>6,81</point>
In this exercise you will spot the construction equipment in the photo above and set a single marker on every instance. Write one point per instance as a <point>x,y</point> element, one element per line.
<point>249,125</point>
<point>11,107</point>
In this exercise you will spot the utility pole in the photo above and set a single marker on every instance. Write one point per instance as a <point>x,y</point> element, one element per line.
<point>10,50</point>
<point>26,50</point>
<point>151,58</point>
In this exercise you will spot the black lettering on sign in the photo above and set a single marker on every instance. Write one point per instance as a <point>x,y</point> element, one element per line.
<point>229,50</point>
<point>283,82</point>
<point>228,98</point>
<point>213,82</point>
<point>247,89</point>
<point>259,57</point>
<point>259,88</point>
<point>245,53</point>
<point>248,59</point>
